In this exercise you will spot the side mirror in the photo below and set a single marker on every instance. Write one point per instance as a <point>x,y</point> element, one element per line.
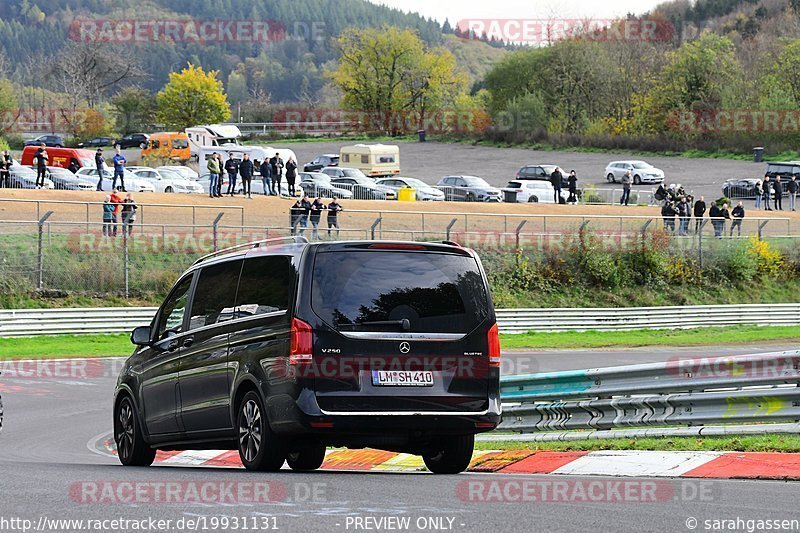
<point>141,336</point>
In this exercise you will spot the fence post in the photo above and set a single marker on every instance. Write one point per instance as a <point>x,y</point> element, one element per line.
<point>518,230</point>
<point>194,220</point>
<point>702,225</point>
<point>125,261</point>
<point>40,252</point>
<point>760,227</point>
<point>374,225</point>
<point>214,226</point>
<point>450,226</point>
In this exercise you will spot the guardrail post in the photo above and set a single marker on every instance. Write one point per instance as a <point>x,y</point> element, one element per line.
<point>40,251</point>
<point>214,226</point>
<point>374,225</point>
<point>702,225</point>
<point>760,227</point>
<point>125,262</point>
<point>582,233</point>
<point>518,230</point>
<point>450,226</point>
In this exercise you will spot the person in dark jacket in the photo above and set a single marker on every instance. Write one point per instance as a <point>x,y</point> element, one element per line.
<point>317,206</point>
<point>738,215</point>
<point>128,214</point>
<point>660,194</point>
<point>277,170</point>
<point>793,187</point>
<point>108,217</point>
<point>41,166</point>
<point>778,187</point>
<point>5,170</point>
<point>555,180</point>
<point>724,215</point>
<point>767,192</point>
<point>699,213</point>
<point>759,194</point>
<point>299,213</point>
<point>266,177</point>
<point>246,172</point>
<point>334,208</point>
<point>626,191</point>
<point>684,214</point>
<point>232,168</point>
<point>572,184</point>
<point>668,213</point>
<point>73,165</point>
<point>291,175</point>
<point>714,215</point>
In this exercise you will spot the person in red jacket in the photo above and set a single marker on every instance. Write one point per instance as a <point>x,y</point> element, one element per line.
<point>116,201</point>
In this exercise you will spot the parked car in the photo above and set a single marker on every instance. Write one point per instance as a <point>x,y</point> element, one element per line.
<point>63,179</point>
<point>344,172</point>
<point>531,191</point>
<point>167,181</point>
<point>541,172</point>
<point>422,189</point>
<point>21,177</point>
<point>184,171</point>
<point>51,141</point>
<point>133,183</point>
<point>133,140</point>
<point>641,172</point>
<point>97,142</point>
<point>469,189</point>
<point>321,161</point>
<point>283,348</point>
<point>740,188</point>
<point>785,170</point>
<point>319,184</point>
<point>364,188</point>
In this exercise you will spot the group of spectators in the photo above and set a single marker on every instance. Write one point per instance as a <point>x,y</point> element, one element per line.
<point>302,211</point>
<point>119,162</point>
<point>5,170</point>
<point>271,170</point>
<point>556,180</point>
<point>676,203</point>
<point>115,207</point>
<point>773,189</point>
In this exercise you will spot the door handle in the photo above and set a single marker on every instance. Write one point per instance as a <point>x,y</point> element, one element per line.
<point>188,341</point>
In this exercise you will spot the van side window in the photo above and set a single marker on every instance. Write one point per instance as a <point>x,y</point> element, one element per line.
<point>171,318</point>
<point>214,295</point>
<point>265,285</point>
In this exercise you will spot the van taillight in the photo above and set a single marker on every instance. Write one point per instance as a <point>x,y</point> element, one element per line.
<point>493,338</point>
<point>302,339</point>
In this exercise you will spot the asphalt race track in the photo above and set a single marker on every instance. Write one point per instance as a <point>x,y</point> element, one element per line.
<point>50,469</point>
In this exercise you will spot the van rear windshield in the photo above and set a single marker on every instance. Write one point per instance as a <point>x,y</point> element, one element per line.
<point>377,290</point>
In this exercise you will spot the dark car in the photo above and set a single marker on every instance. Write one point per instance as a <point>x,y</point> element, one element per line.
<point>320,162</point>
<point>541,172</point>
<point>785,170</point>
<point>133,140</point>
<point>281,348</point>
<point>51,141</point>
<point>97,142</point>
<point>740,188</point>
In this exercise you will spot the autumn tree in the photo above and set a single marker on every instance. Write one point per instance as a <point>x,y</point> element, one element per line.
<point>192,97</point>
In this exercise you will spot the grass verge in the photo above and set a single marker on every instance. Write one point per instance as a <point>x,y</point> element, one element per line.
<point>651,337</point>
<point>732,443</point>
<point>50,346</point>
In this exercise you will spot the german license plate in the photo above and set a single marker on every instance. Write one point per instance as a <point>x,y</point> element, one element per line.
<point>402,378</point>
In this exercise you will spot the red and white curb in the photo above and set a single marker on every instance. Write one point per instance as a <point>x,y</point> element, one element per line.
<point>622,463</point>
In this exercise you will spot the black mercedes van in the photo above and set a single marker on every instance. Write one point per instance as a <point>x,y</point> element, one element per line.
<point>279,348</point>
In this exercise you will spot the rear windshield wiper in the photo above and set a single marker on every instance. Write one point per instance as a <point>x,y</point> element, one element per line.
<point>404,323</point>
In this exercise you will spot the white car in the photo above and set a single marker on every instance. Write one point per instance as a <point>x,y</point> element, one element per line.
<point>422,189</point>
<point>641,172</point>
<point>185,172</point>
<point>62,178</point>
<point>532,191</point>
<point>167,181</point>
<point>21,177</point>
<point>132,182</point>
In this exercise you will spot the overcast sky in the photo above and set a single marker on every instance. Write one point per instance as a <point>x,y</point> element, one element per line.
<point>456,10</point>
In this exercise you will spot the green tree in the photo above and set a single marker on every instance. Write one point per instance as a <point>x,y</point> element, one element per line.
<point>192,97</point>
<point>390,73</point>
<point>133,109</point>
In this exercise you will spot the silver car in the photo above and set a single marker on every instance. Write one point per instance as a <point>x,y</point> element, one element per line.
<point>63,179</point>
<point>423,190</point>
<point>468,189</point>
<point>641,172</point>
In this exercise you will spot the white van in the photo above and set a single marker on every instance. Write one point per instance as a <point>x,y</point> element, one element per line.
<point>237,152</point>
<point>212,135</point>
<point>374,160</point>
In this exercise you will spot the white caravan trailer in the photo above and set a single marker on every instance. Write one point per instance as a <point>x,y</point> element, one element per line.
<point>212,135</point>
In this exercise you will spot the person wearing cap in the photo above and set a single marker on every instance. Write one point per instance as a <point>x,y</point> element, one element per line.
<point>100,164</point>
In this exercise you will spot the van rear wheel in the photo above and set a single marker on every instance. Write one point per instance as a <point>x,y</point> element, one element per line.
<point>306,459</point>
<point>452,456</point>
<point>259,448</point>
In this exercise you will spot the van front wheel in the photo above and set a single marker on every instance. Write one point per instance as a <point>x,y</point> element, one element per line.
<point>452,456</point>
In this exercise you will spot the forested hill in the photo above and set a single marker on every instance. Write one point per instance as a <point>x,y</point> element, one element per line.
<point>33,31</point>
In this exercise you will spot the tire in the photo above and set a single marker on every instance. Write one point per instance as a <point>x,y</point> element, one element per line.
<point>306,459</point>
<point>610,178</point>
<point>168,189</point>
<point>259,448</point>
<point>533,200</point>
<point>132,450</point>
<point>637,180</point>
<point>453,456</point>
